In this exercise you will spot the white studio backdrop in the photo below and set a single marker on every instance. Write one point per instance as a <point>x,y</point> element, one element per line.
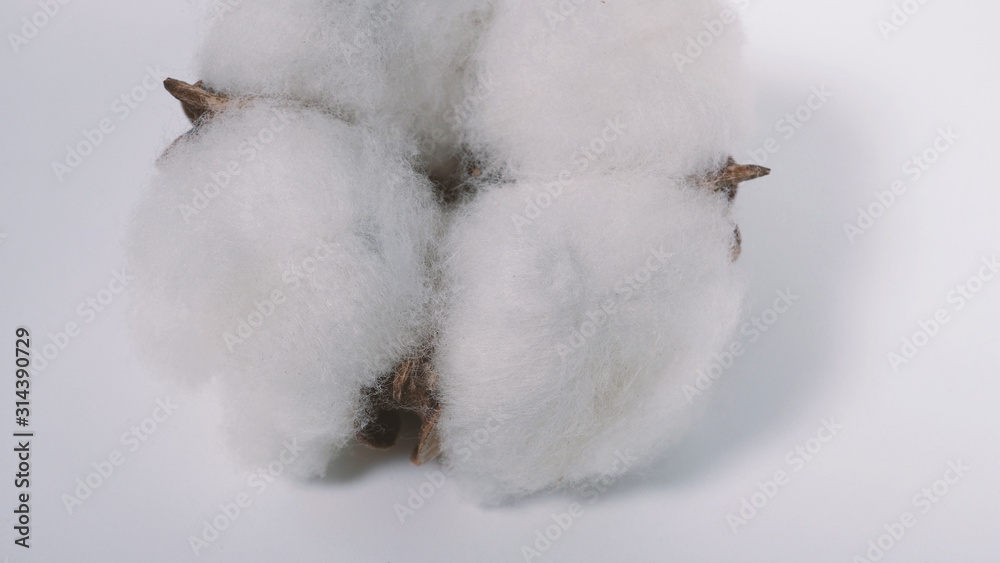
<point>861,425</point>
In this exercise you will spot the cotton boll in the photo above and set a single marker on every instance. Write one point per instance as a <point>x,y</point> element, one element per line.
<point>574,319</point>
<point>286,252</point>
<point>601,85</point>
<point>442,85</point>
<point>399,60</point>
<point>325,52</point>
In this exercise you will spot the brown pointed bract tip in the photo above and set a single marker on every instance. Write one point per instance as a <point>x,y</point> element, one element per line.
<point>196,99</point>
<point>728,178</point>
<point>743,172</point>
<point>428,447</point>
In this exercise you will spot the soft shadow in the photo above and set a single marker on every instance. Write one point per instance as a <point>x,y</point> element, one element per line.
<point>356,459</point>
<point>791,222</point>
<point>793,238</point>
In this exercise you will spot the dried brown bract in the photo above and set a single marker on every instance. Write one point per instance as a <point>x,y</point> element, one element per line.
<point>727,180</point>
<point>196,99</point>
<point>410,388</point>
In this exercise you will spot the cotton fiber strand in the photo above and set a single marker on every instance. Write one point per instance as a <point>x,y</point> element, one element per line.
<point>558,305</point>
<point>302,278</point>
<point>578,329</point>
<point>394,59</point>
<point>587,286</point>
<point>602,87</point>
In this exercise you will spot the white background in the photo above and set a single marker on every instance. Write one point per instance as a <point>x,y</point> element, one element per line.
<point>60,242</point>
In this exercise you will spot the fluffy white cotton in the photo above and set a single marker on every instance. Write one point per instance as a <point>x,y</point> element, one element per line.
<point>293,246</point>
<point>572,320</point>
<point>286,252</point>
<point>395,59</point>
<point>586,290</point>
<point>579,85</point>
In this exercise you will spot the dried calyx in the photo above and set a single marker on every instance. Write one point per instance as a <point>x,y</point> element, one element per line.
<point>409,388</point>
<point>727,180</point>
<point>199,101</point>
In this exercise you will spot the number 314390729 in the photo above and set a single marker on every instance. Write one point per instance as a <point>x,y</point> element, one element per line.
<point>22,384</point>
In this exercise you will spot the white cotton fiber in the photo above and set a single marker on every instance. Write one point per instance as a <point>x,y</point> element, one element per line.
<point>574,316</point>
<point>396,59</point>
<point>292,247</point>
<point>584,291</point>
<point>585,84</point>
<point>286,252</point>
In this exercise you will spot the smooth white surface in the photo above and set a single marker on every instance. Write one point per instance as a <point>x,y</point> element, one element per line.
<point>826,357</point>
